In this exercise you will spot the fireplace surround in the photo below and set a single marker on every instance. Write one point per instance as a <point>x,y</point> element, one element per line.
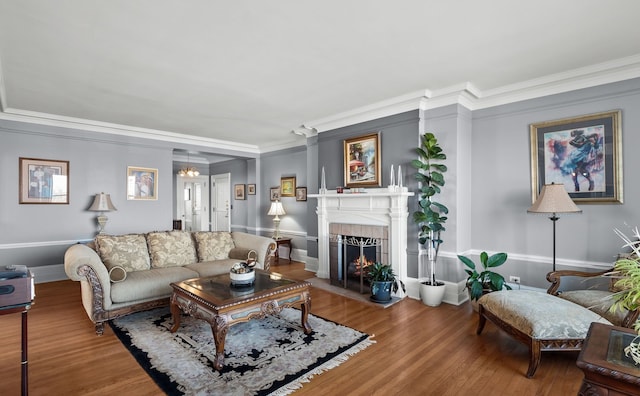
<point>384,208</point>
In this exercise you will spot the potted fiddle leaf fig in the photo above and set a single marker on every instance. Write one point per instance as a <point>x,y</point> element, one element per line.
<point>383,282</point>
<point>431,214</point>
<point>479,283</point>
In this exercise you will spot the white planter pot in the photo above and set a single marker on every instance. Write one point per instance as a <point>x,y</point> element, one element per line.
<point>432,295</point>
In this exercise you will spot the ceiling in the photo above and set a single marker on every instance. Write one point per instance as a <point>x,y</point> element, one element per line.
<point>245,74</point>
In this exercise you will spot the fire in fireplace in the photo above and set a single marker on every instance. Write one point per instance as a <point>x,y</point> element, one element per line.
<point>350,255</point>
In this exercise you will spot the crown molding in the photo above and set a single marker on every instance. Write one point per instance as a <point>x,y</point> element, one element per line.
<point>469,96</point>
<point>53,120</point>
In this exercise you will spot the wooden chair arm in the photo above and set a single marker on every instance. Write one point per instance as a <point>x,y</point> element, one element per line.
<point>555,277</point>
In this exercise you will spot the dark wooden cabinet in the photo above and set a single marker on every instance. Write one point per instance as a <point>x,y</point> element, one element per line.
<point>604,375</point>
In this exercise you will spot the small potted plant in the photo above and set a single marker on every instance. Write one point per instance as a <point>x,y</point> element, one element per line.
<point>383,282</point>
<point>487,280</point>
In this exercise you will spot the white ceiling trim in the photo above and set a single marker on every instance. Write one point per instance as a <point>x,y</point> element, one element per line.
<point>122,130</point>
<point>471,97</point>
<point>465,94</point>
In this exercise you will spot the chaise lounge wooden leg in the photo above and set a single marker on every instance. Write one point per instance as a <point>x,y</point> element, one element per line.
<point>534,357</point>
<point>482,320</point>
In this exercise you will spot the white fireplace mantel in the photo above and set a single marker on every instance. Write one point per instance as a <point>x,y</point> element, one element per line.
<point>377,206</point>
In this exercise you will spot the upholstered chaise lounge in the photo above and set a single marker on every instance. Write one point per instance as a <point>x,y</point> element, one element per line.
<point>539,320</point>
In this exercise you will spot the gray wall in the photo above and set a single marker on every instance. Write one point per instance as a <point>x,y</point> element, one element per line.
<point>488,186</point>
<point>398,139</point>
<point>501,184</point>
<point>273,166</point>
<point>38,234</point>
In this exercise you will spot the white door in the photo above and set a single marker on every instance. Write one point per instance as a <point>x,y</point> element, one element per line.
<point>193,203</point>
<point>221,202</point>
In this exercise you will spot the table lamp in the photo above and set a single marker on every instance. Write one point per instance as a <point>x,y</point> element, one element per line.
<point>102,203</point>
<point>276,209</point>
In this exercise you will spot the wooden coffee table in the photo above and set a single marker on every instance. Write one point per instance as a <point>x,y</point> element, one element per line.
<point>215,301</point>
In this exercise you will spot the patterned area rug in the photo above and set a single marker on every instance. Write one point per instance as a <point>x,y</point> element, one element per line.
<point>270,356</point>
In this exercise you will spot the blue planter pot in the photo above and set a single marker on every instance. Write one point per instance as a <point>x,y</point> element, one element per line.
<point>381,291</point>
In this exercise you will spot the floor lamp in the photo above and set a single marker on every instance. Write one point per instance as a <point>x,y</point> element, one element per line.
<point>554,199</point>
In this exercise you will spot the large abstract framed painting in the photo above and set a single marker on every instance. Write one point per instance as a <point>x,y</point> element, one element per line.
<point>362,162</point>
<point>43,181</point>
<point>142,184</point>
<point>583,153</point>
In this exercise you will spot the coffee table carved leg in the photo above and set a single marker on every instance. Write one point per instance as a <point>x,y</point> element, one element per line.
<point>219,328</point>
<point>305,309</point>
<point>175,316</point>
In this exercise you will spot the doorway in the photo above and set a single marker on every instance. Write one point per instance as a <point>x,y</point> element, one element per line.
<point>221,202</point>
<point>193,202</point>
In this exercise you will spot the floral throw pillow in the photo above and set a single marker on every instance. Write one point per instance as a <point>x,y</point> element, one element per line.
<point>126,251</point>
<point>213,245</point>
<point>171,249</point>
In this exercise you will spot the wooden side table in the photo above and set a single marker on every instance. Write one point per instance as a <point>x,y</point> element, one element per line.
<point>604,373</point>
<point>22,308</point>
<point>284,242</point>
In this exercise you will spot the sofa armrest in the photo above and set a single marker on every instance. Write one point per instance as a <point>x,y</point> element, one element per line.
<point>264,246</point>
<point>556,276</point>
<point>81,263</point>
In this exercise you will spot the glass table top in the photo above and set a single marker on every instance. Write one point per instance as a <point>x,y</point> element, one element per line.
<point>220,289</point>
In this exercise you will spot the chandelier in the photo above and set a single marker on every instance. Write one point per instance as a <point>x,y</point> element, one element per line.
<point>189,171</point>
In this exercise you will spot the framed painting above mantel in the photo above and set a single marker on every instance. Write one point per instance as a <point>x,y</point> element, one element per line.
<point>362,161</point>
<point>584,153</point>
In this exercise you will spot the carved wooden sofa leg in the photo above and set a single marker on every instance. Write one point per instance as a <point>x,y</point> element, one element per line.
<point>99,328</point>
<point>540,321</point>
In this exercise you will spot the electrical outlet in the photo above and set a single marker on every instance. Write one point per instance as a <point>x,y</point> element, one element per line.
<point>514,279</point>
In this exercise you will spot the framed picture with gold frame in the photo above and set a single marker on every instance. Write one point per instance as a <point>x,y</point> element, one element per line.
<point>288,186</point>
<point>142,184</point>
<point>43,181</point>
<point>584,153</point>
<point>362,162</point>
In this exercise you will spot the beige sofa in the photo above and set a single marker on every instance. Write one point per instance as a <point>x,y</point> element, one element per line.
<point>121,274</point>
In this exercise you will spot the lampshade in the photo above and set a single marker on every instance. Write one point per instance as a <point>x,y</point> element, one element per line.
<point>276,209</point>
<point>102,203</point>
<point>554,199</point>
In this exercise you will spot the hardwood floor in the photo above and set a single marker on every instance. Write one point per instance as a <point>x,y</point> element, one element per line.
<point>419,350</point>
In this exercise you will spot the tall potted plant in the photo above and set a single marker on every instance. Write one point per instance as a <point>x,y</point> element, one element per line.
<point>431,214</point>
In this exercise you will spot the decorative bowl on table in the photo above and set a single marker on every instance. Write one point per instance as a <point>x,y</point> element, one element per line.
<point>242,274</point>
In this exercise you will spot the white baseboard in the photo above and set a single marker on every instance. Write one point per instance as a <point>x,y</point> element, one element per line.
<point>48,273</point>
<point>455,292</point>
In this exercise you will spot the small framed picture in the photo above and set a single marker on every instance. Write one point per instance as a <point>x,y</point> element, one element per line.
<point>288,186</point>
<point>43,181</point>
<point>251,189</point>
<point>239,191</point>
<point>142,183</point>
<point>274,193</point>
<point>301,193</point>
